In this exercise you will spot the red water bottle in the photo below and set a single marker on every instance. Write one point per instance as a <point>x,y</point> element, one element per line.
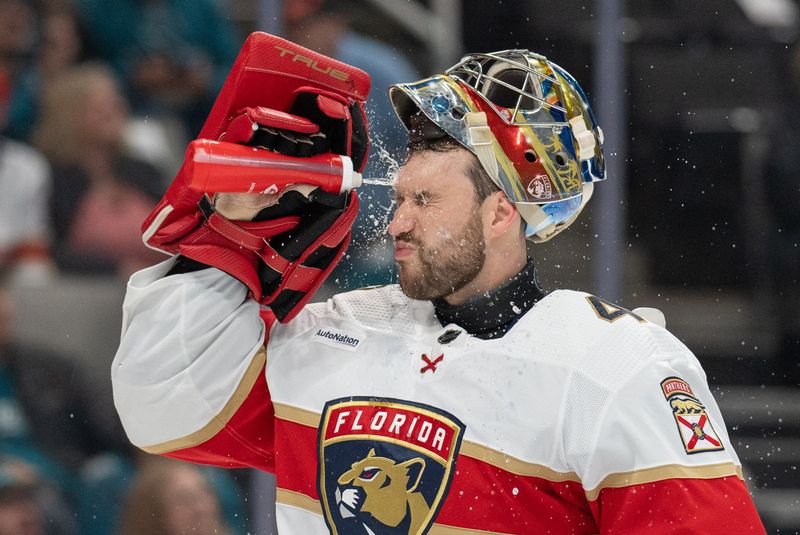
<point>218,166</point>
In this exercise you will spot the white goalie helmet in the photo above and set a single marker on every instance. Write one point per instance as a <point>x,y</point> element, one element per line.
<point>529,123</point>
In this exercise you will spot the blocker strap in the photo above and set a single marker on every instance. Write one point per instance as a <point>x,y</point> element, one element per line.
<point>254,235</point>
<point>239,235</point>
<point>297,274</point>
<point>242,233</point>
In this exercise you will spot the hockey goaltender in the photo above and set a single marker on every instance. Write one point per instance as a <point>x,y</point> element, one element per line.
<point>465,399</point>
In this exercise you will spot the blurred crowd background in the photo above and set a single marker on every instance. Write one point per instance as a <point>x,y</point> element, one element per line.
<point>700,216</point>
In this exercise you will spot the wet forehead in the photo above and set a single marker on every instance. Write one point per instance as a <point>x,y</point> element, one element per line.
<point>440,172</point>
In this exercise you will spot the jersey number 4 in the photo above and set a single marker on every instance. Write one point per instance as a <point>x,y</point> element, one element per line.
<point>609,311</point>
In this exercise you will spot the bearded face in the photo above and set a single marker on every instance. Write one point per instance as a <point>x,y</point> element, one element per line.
<point>443,266</point>
<point>439,243</point>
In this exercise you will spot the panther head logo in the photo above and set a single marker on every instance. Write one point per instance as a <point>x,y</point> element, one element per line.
<point>385,489</point>
<point>539,187</point>
<point>385,465</point>
<point>686,406</point>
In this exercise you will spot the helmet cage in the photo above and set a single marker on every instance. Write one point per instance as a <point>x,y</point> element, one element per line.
<point>479,72</point>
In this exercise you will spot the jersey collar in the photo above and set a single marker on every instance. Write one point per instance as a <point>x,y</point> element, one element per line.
<point>492,314</point>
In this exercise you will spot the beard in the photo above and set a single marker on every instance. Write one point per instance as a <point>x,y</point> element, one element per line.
<point>446,268</point>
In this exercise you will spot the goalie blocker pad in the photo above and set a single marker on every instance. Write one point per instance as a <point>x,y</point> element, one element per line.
<point>270,77</point>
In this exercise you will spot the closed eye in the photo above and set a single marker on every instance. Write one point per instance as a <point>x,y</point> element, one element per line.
<point>422,198</point>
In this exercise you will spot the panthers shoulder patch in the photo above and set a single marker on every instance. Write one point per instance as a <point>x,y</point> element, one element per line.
<point>385,465</point>
<point>694,424</point>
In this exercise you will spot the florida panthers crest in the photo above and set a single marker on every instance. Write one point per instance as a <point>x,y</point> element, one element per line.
<point>385,465</point>
<point>694,425</point>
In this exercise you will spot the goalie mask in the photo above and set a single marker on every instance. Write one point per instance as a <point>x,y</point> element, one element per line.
<point>528,122</point>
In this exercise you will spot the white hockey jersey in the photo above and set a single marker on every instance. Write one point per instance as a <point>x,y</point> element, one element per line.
<point>583,418</point>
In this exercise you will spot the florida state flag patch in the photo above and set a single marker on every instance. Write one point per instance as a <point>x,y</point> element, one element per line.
<point>694,425</point>
<point>385,465</point>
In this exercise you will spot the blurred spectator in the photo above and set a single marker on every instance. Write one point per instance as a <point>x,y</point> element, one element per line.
<point>24,224</point>
<point>47,411</point>
<point>783,198</point>
<point>19,512</point>
<point>17,39</point>
<point>100,194</point>
<point>172,54</point>
<point>30,505</point>
<point>59,425</point>
<point>53,423</point>
<point>172,498</point>
<point>58,47</point>
<point>24,174</point>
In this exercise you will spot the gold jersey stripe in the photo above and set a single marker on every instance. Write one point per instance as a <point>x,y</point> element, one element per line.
<point>301,501</point>
<point>296,415</point>
<point>254,370</point>
<point>441,529</point>
<point>297,499</point>
<point>514,465</point>
<point>471,449</point>
<point>660,473</point>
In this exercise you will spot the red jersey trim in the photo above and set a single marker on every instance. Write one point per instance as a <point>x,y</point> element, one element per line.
<point>661,473</point>
<point>440,529</point>
<point>684,506</point>
<point>217,423</point>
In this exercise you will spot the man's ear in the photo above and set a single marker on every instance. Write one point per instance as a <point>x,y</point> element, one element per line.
<point>500,214</point>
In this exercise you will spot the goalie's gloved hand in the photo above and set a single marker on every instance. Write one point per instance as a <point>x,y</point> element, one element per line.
<point>284,245</point>
<point>284,252</point>
<point>307,253</point>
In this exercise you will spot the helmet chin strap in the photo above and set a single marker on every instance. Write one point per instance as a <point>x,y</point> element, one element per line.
<point>584,138</point>
<point>481,139</point>
<point>535,217</point>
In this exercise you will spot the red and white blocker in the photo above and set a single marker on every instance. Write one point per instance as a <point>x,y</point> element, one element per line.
<point>286,90</point>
